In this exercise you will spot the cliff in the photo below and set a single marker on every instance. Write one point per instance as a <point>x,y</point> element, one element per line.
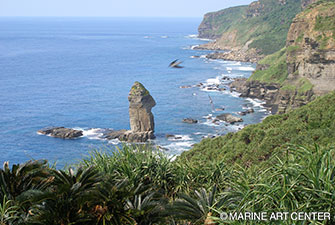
<point>261,26</point>
<point>302,70</point>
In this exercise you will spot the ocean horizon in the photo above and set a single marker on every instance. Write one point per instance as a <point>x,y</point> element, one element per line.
<point>76,72</point>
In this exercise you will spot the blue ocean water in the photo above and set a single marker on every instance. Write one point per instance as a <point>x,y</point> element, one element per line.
<point>77,72</point>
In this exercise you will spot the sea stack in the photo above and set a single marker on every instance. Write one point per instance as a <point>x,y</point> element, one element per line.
<point>141,118</point>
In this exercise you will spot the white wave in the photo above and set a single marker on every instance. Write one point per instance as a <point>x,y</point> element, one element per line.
<point>203,56</point>
<point>211,124</point>
<point>245,68</point>
<point>208,116</point>
<point>146,37</point>
<point>194,46</point>
<point>114,142</point>
<point>236,127</point>
<point>195,36</point>
<point>177,147</point>
<point>229,69</point>
<point>181,138</point>
<point>234,94</point>
<point>204,39</point>
<point>164,36</point>
<point>93,134</point>
<point>208,89</point>
<point>192,36</point>
<point>256,102</point>
<point>235,64</point>
<point>214,80</point>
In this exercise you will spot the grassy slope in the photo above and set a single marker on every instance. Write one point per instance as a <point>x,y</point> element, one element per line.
<point>273,25</point>
<point>277,72</point>
<point>269,30</point>
<point>277,62</point>
<point>222,20</point>
<point>313,123</point>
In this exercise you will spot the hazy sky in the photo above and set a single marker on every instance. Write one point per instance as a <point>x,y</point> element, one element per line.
<point>136,8</point>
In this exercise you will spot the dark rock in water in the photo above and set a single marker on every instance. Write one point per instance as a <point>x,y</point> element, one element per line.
<point>229,118</point>
<point>114,134</point>
<point>186,86</point>
<point>162,148</point>
<point>190,120</point>
<point>169,136</point>
<point>226,78</point>
<point>219,109</point>
<point>172,136</point>
<point>130,136</point>
<point>141,118</point>
<point>248,111</point>
<point>61,132</point>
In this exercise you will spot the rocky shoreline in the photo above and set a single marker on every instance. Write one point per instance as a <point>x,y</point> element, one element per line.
<point>277,100</point>
<point>240,55</point>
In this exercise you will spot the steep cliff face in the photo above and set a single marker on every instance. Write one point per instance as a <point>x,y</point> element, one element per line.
<point>261,26</point>
<point>302,70</point>
<point>311,47</point>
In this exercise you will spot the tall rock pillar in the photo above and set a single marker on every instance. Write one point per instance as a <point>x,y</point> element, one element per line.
<point>141,118</point>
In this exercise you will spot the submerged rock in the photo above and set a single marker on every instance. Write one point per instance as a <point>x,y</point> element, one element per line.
<point>248,111</point>
<point>61,132</point>
<point>141,118</point>
<point>229,118</point>
<point>190,120</point>
<point>186,86</point>
<point>114,134</point>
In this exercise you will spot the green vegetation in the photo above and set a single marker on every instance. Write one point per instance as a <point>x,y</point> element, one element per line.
<point>307,125</point>
<point>277,71</point>
<point>267,24</point>
<point>263,168</point>
<point>301,181</point>
<point>222,20</point>
<point>325,23</point>
<point>304,85</point>
<point>139,89</point>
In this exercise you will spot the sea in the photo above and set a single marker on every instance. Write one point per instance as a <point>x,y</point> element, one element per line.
<point>77,73</point>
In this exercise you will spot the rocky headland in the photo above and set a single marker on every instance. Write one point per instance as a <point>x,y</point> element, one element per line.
<point>301,71</point>
<point>247,32</point>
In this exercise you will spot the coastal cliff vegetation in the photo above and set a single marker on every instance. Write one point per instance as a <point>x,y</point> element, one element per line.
<point>262,25</point>
<point>285,163</point>
<point>303,69</point>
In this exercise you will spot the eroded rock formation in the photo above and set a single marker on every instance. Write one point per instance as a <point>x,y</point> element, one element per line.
<point>61,132</point>
<point>141,118</point>
<point>309,62</point>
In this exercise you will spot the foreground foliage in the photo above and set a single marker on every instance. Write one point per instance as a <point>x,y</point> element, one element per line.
<point>301,181</point>
<point>309,124</point>
<point>274,166</point>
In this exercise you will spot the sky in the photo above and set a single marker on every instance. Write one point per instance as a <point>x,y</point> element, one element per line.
<point>115,8</point>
